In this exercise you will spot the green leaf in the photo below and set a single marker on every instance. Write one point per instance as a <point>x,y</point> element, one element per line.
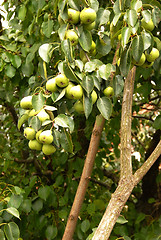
<point>92,65</point>
<point>51,232</point>
<point>62,31</point>
<point>69,73</point>
<point>75,4</point>
<point>85,40</point>
<point>132,17</point>
<point>85,225</point>
<point>60,96</point>
<point>15,201</point>
<point>104,105</point>
<point>87,101</point>
<point>13,211</point>
<point>66,141</point>
<point>94,4</point>
<point>56,136</point>
<point>146,15</point>
<point>147,39</point>
<point>44,192</point>
<point>45,52</point>
<point>27,69</point>
<point>22,120</point>
<point>140,217</point>
<point>38,101</point>
<point>35,123</point>
<point>137,47</point>
<point>105,71</point>
<point>30,57</point>
<point>22,13</point>
<point>26,205</point>
<point>118,84</point>
<point>12,231</point>
<point>88,84</point>
<point>125,35</point>
<point>103,16</point>
<point>103,46</point>
<point>125,62</point>
<point>16,61</point>
<point>156,13</point>
<point>63,214</point>
<point>121,220</point>
<point>116,7</point>
<point>157,122</point>
<point>62,120</point>
<point>136,4</point>
<point>10,71</point>
<point>37,205</point>
<point>47,27</point>
<point>67,49</point>
<point>2,237</point>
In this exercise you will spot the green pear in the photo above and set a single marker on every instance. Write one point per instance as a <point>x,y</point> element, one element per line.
<point>147,64</point>
<point>141,61</point>
<point>61,80</point>
<point>87,16</point>
<point>67,90</point>
<point>26,102</point>
<point>92,51</point>
<point>29,133</point>
<point>76,92</point>
<point>109,91</point>
<point>37,135</point>
<point>35,145</point>
<point>73,16</point>
<point>51,85</point>
<point>72,36</point>
<point>32,113</point>
<point>78,107</point>
<point>42,115</point>
<point>147,25</point>
<point>94,96</point>
<point>48,149</point>
<point>154,54</point>
<point>46,137</point>
<point>90,26</point>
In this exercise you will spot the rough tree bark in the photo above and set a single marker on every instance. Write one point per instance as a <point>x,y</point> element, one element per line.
<point>127,179</point>
<point>85,178</point>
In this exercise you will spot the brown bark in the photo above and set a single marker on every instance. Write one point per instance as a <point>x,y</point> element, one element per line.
<point>85,178</point>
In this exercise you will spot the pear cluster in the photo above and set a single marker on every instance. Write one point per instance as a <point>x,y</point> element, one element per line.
<point>149,56</point>
<point>41,140</point>
<point>87,19</point>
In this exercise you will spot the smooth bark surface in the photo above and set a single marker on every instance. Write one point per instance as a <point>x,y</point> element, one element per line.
<point>85,178</point>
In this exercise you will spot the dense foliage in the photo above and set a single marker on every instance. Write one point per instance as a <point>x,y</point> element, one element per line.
<point>37,189</point>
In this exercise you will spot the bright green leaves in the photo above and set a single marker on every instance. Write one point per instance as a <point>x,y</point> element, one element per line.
<point>85,225</point>
<point>105,71</point>
<point>22,13</point>
<point>137,47</point>
<point>85,40</point>
<point>105,107</point>
<point>66,141</point>
<point>45,52</point>
<point>125,62</point>
<point>13,211</point>
<point>103,16</point>
<point>38,101</point>
<point>64,121</point>
<point>66,47</point>
<point>88,84</point>
<point>12,231</point>
<point>125,35</point>
<point>132,17</point>
<point>47,27</point>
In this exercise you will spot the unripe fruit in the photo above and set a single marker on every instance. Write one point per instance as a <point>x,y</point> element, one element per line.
<point>35,145</point>
<point>61,80</point>
<point>67,90</point>
<point>46,137</point>
<point>141,61</point>
<point>72,36</point>
<point>32,113</point>
<point>148,26</point>
<point>154,54</point>
<point>87,16</point>
<point>90,26</point>
<point>73,16</point>
<point>26,102</point>
<point>94,96</point>
<point>37,135</point>
<point>76,92</point>
<point>51,85</point>
<point>147,64</point>
<point>42,115</point>
<point>29,133</point>
<point>48,149</point>
<point>108,92</point>
<point>78,107</point>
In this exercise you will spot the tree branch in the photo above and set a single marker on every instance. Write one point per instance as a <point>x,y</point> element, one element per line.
<point>85,178</point>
